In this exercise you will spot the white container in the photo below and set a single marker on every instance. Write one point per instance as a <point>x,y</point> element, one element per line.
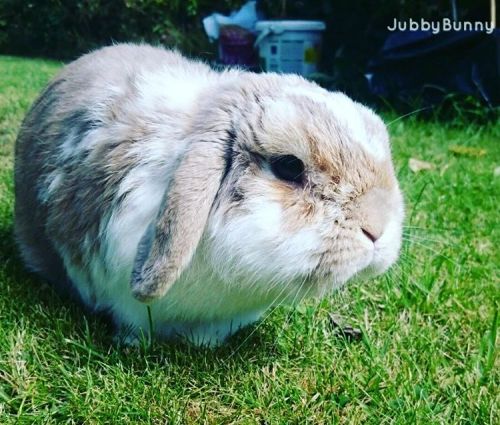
<point>289,46</point>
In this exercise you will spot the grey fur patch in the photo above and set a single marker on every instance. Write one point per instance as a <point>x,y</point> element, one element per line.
<point>228,152</point>
<point>80,122</point>
<point>86,195</point>
<point>236,194</point>
<point>47,99</point>
<point>143,251</point>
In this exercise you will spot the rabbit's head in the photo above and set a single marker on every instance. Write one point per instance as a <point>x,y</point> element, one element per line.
<point>288,186</point>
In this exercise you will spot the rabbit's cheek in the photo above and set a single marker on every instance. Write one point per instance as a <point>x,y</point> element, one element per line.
<point>257,241</point>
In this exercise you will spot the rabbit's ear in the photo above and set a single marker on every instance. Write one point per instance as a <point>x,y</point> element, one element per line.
<point>168,245</point>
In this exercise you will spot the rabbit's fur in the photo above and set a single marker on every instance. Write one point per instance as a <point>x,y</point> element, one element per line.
<point>144,178</point>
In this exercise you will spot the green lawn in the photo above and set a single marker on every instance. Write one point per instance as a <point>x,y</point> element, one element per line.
<point>428,351</point>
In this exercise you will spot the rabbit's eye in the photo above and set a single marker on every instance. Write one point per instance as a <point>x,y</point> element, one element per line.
<point>288,168</point>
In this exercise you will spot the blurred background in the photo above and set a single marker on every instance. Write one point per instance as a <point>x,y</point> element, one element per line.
<point>403,70</point>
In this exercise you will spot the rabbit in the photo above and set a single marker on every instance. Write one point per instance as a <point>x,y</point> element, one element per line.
<point>187,201</point>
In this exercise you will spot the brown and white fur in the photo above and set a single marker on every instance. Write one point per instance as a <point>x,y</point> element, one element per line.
<point>146,179</point>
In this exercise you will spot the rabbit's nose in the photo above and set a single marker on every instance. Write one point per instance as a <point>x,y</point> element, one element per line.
<point>374,213</point>
<point>371,234</point>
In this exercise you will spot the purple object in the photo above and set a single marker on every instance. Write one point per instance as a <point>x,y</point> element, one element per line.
<point>236,46</point>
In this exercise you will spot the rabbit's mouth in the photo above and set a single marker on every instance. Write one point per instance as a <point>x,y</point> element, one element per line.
<point>355,258</point>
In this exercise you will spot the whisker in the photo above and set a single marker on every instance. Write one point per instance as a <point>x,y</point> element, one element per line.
<point>435,229</point>
<point>416,111</point>
<point>295,302</point>
<point>416,238</point>
<point>439,254</point>
<point>262,320</point>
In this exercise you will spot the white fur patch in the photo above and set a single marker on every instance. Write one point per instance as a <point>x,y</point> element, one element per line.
<point>257,242</point>
<point>170,89</point>
<point>126,226</point>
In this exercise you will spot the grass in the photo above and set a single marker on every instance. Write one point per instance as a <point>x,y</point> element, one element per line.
<point>428,352</point>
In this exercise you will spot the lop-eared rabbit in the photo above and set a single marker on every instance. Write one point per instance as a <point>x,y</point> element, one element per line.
<point>144,179</point>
